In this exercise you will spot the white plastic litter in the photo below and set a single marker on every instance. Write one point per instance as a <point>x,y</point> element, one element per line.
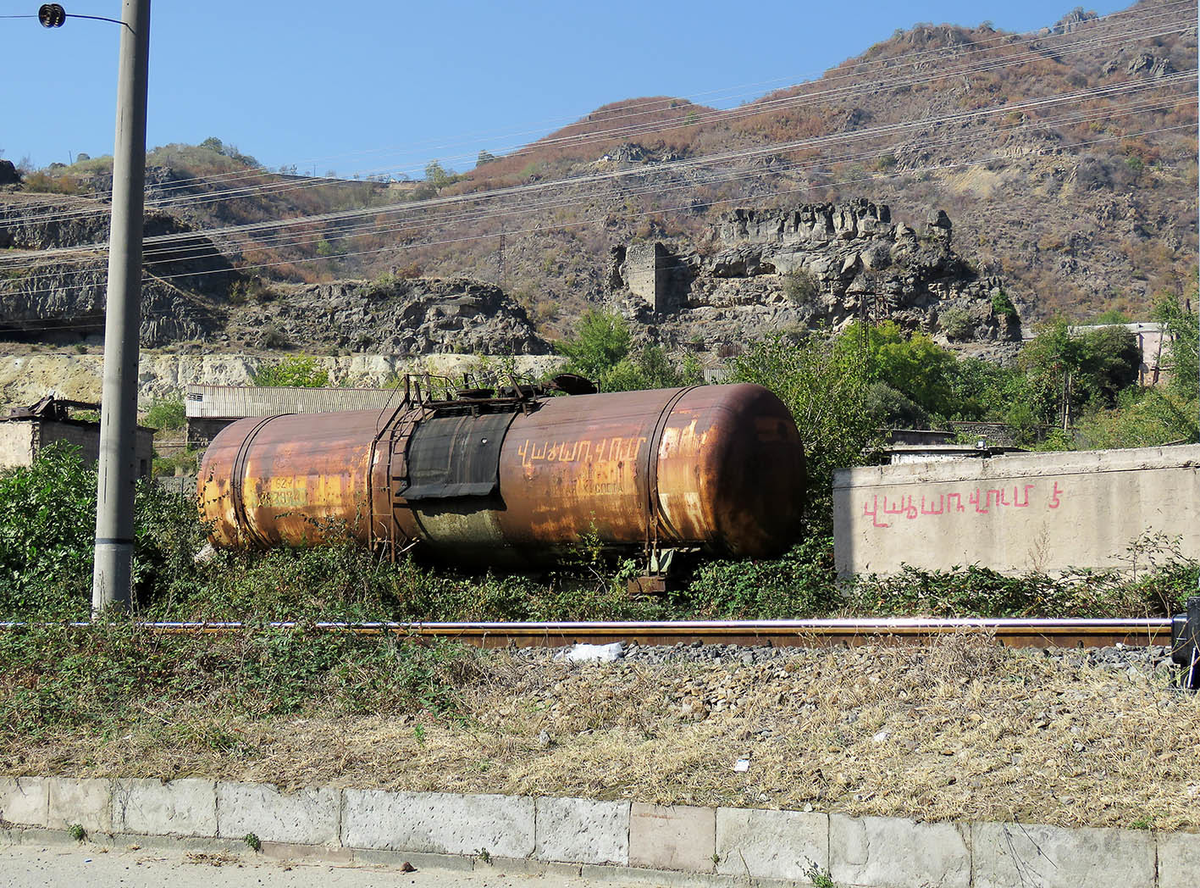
<point>741,765</point>
<point>593,653</point>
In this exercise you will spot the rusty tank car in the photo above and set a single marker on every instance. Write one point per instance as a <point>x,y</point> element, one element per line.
<point>523,477</point>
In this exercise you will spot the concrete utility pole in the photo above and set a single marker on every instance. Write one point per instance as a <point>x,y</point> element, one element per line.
<point>113,576</point>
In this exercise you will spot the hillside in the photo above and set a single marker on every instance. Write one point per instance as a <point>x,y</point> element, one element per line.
<point>1066,161</point>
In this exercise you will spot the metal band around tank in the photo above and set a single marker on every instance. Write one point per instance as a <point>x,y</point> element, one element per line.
<point>657,515</point>
<point>237,482</point>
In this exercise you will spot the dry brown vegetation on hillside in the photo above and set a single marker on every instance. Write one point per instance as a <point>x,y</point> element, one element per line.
<point>1066,160</point>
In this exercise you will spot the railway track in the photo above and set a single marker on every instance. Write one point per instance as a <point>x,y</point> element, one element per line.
<point>1037,633</point>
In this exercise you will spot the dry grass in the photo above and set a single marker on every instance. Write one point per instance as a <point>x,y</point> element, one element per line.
<point>963,729</point>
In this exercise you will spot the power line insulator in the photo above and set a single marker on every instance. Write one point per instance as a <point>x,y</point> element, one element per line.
<point>52,15</point>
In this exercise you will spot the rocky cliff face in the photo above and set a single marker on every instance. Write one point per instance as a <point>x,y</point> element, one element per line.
<point>60,298</point>
<point>817,266</point>
<point>195,298</point>
<point>393,317</point>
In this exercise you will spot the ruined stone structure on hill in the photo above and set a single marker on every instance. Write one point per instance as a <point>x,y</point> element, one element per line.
<point>815,266</point>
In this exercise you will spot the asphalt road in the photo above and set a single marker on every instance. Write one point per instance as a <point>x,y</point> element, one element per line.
<point>92,866</point>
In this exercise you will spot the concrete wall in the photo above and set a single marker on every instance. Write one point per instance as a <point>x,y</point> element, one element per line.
<point>1016,513</point>
<point>597,839</point>
<point>16,444</point>
<point>22,439</point>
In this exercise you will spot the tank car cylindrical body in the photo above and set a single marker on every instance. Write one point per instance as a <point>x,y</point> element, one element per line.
<point>715,467</point>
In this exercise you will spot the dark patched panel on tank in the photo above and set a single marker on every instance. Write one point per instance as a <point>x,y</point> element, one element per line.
<point>454,456</point>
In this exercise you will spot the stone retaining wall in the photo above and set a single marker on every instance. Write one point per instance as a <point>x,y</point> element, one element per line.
<point>598,838</point>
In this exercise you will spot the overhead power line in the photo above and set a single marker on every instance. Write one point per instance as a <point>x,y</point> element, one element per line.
<point>691,205</point>
<point>683,164</point>
<point>1072,42</point>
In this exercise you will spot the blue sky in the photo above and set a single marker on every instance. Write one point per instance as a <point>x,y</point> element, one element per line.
<point>370,87</point>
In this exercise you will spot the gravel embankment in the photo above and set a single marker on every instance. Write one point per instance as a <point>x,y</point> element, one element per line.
<point>960,729</point>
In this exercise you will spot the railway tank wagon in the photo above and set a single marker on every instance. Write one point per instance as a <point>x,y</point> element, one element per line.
<point>522,478</point>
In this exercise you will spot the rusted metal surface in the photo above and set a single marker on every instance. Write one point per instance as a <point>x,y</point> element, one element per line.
<point>715,466</point>
<point>289,479</point>
<point>519,478</point>
<point>1035,633</point>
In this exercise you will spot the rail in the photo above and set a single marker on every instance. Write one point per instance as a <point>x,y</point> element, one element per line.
<point>1038,633</point>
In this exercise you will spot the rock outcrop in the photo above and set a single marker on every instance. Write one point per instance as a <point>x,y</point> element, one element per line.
<point>395,317</point>
<point>60,297</point>
<point>817,266</point>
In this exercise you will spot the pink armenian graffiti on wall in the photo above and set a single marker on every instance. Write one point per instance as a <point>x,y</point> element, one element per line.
<point>884,511</point>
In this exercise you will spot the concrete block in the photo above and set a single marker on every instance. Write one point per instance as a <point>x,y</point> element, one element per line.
<point>306,817</point>
<point>154,808</point>
<point>529,866</point>
<point>85,801</point>
<point>894,852</point>
<point>452,862</point>
<point>1178,859</point>
<point>439,823</point>
<point>25,801</point>
<point>677,837</point>
<point>292,851</point>
<point>771,844</point>
<point>595,874</point>
<point>36,835</point>
<point>583,831</point>
<point>1009,854</point>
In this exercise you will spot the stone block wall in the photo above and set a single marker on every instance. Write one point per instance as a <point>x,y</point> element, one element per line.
<point>596,839</point>
<point>647,273</point>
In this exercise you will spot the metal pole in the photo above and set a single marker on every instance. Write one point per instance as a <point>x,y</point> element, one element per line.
<point>113,574</point>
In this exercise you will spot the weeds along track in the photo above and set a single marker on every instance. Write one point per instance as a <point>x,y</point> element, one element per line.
<point>1036,633</point>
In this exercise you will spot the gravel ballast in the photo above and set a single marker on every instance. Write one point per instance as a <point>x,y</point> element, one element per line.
<point>959,729</point>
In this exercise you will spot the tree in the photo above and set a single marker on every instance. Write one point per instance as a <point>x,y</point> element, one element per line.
<point>212,143</point>
<point>1067,373</point>
<point>1180,322</point>
<point>602,351</point>
<point>914,366</point>
<point>602,342</point>
<point>824,385</point>
<point>438,176</point>
<point>299,371</point>
<point>166,413</point>
<point>1109,361</point>
<point>484,157</point>
<point>982,390</point>
<point>650,368</point>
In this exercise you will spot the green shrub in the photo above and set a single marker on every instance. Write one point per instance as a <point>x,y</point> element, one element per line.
<point>47,535</point>
<point>956,323</point>
<point>47,538</point>
<point>800,584</point>
<point>297,371</point>
<point>1002,306</point>
<point>167,414</point>
<point>602,342</point>
<point>801,287</point>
